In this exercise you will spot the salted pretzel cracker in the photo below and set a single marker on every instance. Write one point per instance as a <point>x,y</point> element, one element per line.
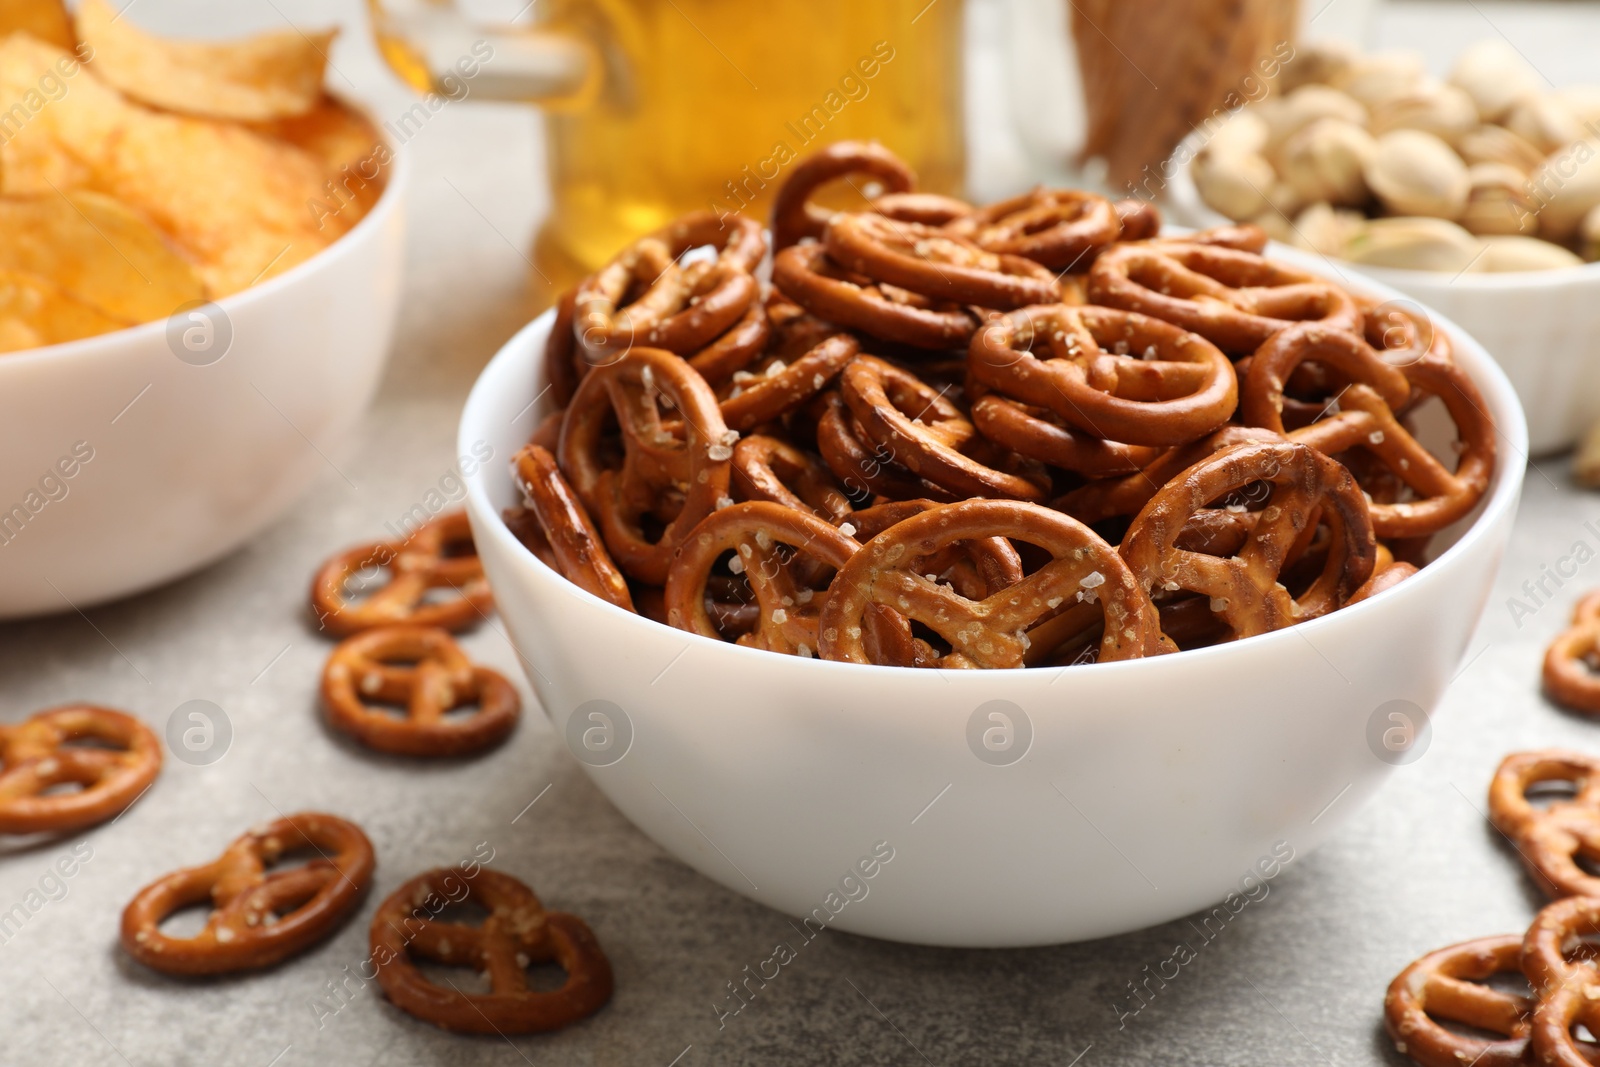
<point>517,933</point>
<point>1449,985</point>
<point>1509,808</point>
<point>41,752</point>
<point>684,459</point>
<point>682,309</point>
<point>577,547</point>
<point>1137,220</point>
<point>863,466</point>
<point>774,387</point>
<point>927,432</point>
<point>1059,228</point>
<point>930,209</point>
<point>808,276</point>
<point>992,632</point>
<point>259,917</point>
<point>1234,299</point>
<point>420,669</point>
<point>1383,578</point>
<point>737,348</point>
<point>1572,662</point>
<point>1118,375</point>
<point>1043,435</point>
<point>767,539</point>
<point>1246,589</point>
<point>438,555</point>
<point>931,261</point>
<point>1127,495</point>
<point>795,217</point>
<point>765,468</point>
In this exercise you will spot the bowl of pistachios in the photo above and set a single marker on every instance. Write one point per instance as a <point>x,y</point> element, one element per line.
<point>1477,195</point>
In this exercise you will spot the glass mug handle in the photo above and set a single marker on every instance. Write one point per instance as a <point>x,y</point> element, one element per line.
<point>437,48</point>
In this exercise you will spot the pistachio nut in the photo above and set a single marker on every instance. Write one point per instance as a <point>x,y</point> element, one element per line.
<point>1584,100</point>
<point>1514,253</point>
<point>1306,105</point>
<point>1235,184</point>
<point>1495,75</point>
<point>1567,188</point>
<point>1443,110</point>
<point>1381,76</point>
<point>1316,63</point>
<point>1545,121</point>
<point>1326,229</point>
<point>1326,159</point>
<point>1415,173</point>
<point>1412,244</point>
<point>1496,144</point>
<point>1243,132</point>
<point>1499,201</point>
<point>1277,225</point>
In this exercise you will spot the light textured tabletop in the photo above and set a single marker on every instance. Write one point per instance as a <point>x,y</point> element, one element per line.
<point>1296,978</point>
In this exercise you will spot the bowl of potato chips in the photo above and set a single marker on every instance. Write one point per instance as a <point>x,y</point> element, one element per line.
<point>200,259</point>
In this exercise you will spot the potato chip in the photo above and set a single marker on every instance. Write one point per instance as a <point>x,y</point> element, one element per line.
<point>45,19</point>
<point>348,145</point>
<point>96,250</point>
<point>241,205</point>
<point>34,313</point>
<point>268,76</point>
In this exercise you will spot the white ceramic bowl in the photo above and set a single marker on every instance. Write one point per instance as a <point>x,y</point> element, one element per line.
<point>1148,789</point>
<point>1542,326</point>
<point>193,456</point>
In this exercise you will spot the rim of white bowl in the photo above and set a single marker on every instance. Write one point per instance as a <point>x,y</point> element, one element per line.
<point>1185,196</point>
<point>387,204</point>
<point>1502,496</point>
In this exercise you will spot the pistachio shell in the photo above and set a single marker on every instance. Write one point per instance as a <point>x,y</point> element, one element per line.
<point>1495,144</point>
<point>1584,100</point>
<point>1244,131</point>
<point>1568,188</point>
<point>1277,225</point>
<point>1413,244</point>
<point>1499,202</point>
<point>1445,111</point>
<point>1381,76</point>
<point>1415,173</point>
<point>1545,121</point>
<point>1235,184</point>
<point>1589,235</point>
<point>1307,104</point>
<point>1503,253</point>
<point>1325,161</point>
<point>1495,76</point>
<point>1326,229</point>
<point>1316,63</point>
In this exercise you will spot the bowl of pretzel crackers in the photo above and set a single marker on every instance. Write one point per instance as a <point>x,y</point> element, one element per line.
<point>1065,562</point>
<point>200,255</point>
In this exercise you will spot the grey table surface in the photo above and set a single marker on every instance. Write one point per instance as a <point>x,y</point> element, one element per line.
<point>1297,979</point>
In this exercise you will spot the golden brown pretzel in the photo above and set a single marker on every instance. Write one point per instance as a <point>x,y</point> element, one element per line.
<point>579,552</point>
<point>1043,435</point>
<point>1059,228</point>
<point>930,209</point>
<point>563,366</point>
<point>38,754</point>
<point>1245,589</point>
<point>930,261</point>
<point>676,470</point>
<point>1137,220</point>
<point>765,468</point>
<point>863,466</point>
<point>420,669</point>
<point>975,569</point>
<point>773,387</point>
<point>992,632</point>
<point>1448,986</point>
<point>737,348</point>
<point>1118,375</point>
<point>438,555</point>
<point>1509,808</point>
<point>518,932</point>
<point>681,309</point>
<point>1261,399</point>
<point>1232,298</point>
<point>1571,662</point>
<point>766,539</point>
<point>927,433</point>
<point>807,275</point>
<point>258,918</point>
<point>1127,495</point>
<point>1383,578</point>
<point>795,217</point>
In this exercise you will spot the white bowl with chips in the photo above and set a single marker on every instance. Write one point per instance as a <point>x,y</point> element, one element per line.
<point>1541,325</point>
<point>133,457</point>
<point>990,808</point>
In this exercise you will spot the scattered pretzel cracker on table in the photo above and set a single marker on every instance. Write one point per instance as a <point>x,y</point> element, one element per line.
<point>1182,440</point>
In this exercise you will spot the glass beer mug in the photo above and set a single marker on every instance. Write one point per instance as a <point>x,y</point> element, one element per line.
<point>657,107</point>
